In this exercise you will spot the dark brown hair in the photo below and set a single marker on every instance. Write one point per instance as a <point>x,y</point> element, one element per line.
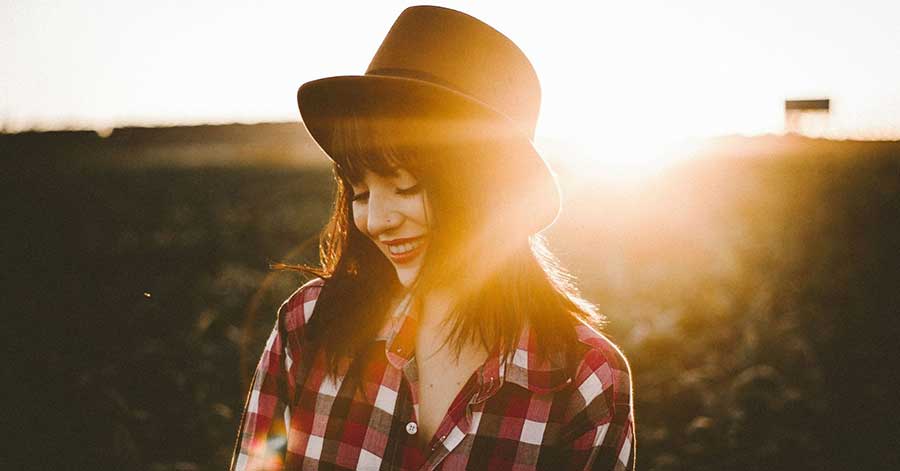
<point>479,240</point>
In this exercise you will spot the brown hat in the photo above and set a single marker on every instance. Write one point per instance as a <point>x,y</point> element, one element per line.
<point>438,61</point>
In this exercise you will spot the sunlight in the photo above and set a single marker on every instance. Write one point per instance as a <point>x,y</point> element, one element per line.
<point>628,111</point>
<point>621,160</point>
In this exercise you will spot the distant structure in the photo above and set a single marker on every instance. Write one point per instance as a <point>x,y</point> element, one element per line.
<point>807,117</point>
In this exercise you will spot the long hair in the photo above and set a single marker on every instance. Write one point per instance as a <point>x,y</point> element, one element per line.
<point>480,243</point>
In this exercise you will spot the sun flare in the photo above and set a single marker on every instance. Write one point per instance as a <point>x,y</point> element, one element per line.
<point>616,160</point>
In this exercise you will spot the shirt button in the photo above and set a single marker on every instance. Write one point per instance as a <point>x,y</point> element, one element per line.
<point>412,428</point>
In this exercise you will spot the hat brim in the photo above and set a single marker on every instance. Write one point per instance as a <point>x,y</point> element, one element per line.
<point>322,102</point>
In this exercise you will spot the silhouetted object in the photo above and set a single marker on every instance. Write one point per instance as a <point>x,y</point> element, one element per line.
<point>808,117</point>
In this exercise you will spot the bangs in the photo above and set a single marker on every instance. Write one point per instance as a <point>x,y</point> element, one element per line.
<point>378,145</point>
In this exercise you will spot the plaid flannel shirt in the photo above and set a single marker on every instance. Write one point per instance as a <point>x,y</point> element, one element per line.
<point>522,415</point>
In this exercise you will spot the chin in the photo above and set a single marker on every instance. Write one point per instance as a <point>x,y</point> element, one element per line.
<point>407,277</point>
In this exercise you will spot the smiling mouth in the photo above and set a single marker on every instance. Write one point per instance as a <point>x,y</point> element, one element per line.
<point>406,250</point>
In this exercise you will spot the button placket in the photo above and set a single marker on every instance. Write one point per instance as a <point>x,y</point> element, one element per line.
<point>440,441</point>
<point>449,440</point>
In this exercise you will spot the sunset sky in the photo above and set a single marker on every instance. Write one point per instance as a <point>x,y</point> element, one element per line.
<point>613,69</point>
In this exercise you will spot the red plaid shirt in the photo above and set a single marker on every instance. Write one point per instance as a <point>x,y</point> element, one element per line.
<point>522,415</point>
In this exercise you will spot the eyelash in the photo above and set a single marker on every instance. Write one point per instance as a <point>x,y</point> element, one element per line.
<point>415,189</point>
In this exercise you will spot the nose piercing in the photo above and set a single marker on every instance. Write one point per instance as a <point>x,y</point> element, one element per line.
<point>390,218</point>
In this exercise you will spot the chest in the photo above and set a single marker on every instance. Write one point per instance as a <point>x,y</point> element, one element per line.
<point>442,375</point>
<point>380,414</point>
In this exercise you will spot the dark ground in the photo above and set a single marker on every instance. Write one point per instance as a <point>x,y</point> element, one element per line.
<point>756,296</point>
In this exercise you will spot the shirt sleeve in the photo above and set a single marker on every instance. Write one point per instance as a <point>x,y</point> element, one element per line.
<point>605,427</point>
<point>262,438</point>
<point>263,434</point>
<point>614,442</point>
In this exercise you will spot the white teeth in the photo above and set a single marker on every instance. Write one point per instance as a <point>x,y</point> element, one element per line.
<point>401,249</point>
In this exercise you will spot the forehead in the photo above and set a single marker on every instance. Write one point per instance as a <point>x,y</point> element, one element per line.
<point>354,163</point>
<point>374,145</point>
<point>396,175</point>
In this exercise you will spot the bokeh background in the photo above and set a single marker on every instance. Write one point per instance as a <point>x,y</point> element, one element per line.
<point>751,276</point>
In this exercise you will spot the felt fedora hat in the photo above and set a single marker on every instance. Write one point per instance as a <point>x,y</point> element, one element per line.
<point>442,65</point>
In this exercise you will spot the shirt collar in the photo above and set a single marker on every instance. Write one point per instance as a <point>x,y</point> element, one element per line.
<point>399,334</point>
<point>538,374</point>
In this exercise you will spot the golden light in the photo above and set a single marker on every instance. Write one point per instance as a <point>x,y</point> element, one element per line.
<point>695,68</point>
<point>628,104</point>
<point>619,160</point>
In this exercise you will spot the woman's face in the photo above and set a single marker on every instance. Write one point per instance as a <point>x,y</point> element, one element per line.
<point>392,211</point>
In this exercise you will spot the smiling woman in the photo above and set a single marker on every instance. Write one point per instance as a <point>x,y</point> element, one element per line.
<point>440,332</point>
<point>391,211</point>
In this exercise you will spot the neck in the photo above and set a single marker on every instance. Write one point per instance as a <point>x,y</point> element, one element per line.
<point>436,307</point>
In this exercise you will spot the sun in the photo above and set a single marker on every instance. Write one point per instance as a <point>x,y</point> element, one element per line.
<point>618,159</point>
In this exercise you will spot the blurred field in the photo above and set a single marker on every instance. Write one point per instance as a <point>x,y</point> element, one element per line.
<point>755,288</point>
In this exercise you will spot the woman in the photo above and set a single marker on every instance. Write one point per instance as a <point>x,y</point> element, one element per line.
<point>439,334</point>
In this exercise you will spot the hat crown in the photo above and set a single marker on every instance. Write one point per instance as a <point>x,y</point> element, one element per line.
<point>454,50</point>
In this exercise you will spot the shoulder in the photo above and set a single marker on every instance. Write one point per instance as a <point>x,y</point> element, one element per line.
<point>602,376</point>
<point>601,429</point>
<point>297,309</point>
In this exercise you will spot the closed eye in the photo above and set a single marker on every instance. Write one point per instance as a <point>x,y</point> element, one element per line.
<point>362,196</point>
<point>413,190</point>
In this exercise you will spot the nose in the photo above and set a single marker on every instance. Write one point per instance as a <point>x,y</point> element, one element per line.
<point>382,215</point>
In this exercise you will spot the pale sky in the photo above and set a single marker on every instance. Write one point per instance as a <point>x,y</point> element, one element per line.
<point>626,69</point>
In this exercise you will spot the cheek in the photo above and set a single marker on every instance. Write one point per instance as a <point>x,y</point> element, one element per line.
<point>420,212</point>
<point>359,219</point>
